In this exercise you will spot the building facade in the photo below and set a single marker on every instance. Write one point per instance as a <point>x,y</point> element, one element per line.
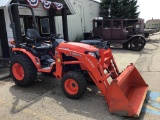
<point>80,22</point>
<point>153,24</point>
<point>71,26</point>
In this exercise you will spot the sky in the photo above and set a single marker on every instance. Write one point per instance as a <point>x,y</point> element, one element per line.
<point>148,9</point>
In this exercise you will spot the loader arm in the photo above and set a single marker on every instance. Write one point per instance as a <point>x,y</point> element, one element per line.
<point>125,94</point>
<point>88,63</point>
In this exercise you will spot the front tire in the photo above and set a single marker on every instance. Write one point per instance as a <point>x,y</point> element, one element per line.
<point>22,70</point>
<point>74,85</point>
<point>137,44</point>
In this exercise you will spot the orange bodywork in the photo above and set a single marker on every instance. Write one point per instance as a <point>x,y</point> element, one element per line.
<point>34,59</point>
<point>69,86</point>
<point>126,93</point>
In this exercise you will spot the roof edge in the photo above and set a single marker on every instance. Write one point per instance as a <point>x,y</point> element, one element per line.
<point>70,7</point>
<point>4,3</point>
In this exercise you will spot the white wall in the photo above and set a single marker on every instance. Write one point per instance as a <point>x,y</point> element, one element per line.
<point>39,11</point>
<point>81,21</point>
<point>7,20</point>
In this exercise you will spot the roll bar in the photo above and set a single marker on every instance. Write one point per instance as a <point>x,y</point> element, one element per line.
<point>12,22</point>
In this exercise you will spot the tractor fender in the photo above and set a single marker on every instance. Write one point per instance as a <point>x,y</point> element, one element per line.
<point>35,60</point>
<point>138,36</point>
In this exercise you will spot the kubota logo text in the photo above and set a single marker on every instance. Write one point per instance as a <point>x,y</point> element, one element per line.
<point>90,62</point>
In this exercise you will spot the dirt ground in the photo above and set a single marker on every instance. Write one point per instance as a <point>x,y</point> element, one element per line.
<point>45,100</point>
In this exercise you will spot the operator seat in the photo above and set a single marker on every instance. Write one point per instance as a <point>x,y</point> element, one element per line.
<point>32,36</point>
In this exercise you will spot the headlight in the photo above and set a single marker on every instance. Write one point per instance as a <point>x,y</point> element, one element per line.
<point>95,54</point>
<point>92,54</point>
<point>98,54</point>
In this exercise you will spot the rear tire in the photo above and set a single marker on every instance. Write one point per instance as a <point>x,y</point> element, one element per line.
<point>22,70</point>
<point>137,44</point>
<point>144,40</point>
<point>74,85</point>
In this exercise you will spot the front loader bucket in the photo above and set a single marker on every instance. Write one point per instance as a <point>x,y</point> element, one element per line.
<point>127,93</point>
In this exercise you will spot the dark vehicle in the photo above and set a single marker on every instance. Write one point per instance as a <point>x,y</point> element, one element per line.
<point>121,31</point>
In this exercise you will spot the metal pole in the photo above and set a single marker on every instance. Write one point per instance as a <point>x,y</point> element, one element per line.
<point>65,24</point>
<point>17,35</point>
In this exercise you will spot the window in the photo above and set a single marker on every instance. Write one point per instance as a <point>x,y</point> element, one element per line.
<point>137,26</point>
<point>45,27</point>
<point>22,26</point>
<point>117,24</point>
<point>107,24</point>
<point>98,24</point>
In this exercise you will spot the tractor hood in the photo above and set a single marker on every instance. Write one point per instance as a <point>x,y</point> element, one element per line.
<point>78,47</point>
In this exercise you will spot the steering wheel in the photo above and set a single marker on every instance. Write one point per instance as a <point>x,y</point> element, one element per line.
<point>55,36</point>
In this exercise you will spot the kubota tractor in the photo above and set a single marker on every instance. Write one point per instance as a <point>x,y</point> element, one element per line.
<point>75,63</point>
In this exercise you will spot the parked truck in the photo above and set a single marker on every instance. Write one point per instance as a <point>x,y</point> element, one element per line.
<point>121,31</point>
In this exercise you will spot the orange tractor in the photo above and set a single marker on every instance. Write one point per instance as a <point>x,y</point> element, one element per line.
<point>75,64</point>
